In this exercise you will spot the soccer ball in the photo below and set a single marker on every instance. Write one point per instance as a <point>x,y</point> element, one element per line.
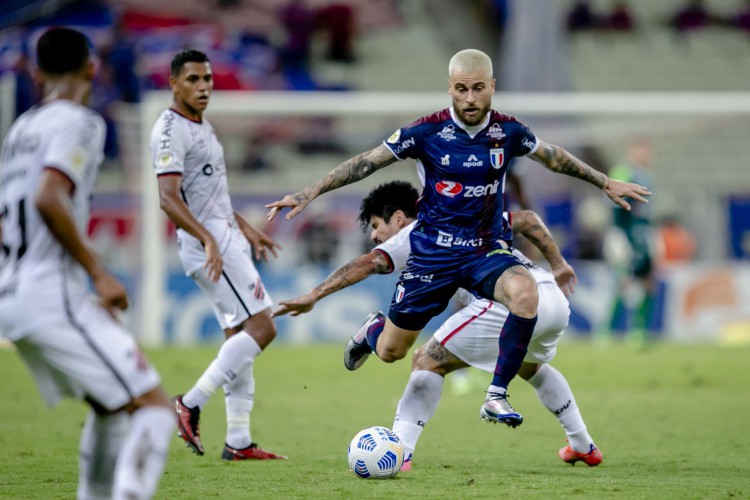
<point>376,453</point>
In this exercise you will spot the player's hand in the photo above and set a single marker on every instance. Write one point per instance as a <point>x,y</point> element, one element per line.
<point>296,202</point>
<point>214,262</point>
<point>110,290</point>
<point>617,191</point>
<point>295,307</point>
<point>261,243</point>
<point>565,277</point>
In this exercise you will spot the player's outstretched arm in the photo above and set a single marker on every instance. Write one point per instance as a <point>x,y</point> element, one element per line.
<point>260,241</point>
<point>352,170</point>
<point>170,199</point>
<point>53,202</point>
<point>355,271</point>
<point>558,160</point>
<point>529,224</point>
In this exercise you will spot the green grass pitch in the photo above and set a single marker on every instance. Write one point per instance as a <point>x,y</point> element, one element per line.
<point>672,422</point>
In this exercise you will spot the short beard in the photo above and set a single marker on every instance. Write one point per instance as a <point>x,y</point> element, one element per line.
<point>470,121</point>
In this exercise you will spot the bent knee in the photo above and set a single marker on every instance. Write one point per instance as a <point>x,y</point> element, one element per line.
<point>389,354</point>
<point>525,302</point>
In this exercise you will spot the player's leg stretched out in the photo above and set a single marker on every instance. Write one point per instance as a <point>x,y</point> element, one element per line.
<point>379,336</point>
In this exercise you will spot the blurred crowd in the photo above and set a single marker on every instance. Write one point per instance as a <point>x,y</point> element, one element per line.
<point>691,16</point>
<point>135,42</point>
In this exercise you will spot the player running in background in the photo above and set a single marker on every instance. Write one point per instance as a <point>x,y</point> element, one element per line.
<point>215,249</point>
<point>460,238</point>
<point>69,339</point>
<point>469,336</point>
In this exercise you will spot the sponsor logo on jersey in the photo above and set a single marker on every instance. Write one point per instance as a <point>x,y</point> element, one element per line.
<point>444,239</point>
<point>449,188</point>
<point>448,133</point>
<point>496,131</point>
<point>427,278</point>
<point>497,156</point>
<point>473,161</point>
<point>393,139</point>
<point>448,240</point>
<point>208,169</point>
<point>404,146</point>
<point>452,189</point>
<point>445,160</point>
<point>400,291</point>
<point>483,190</point>
<point>528,143</point>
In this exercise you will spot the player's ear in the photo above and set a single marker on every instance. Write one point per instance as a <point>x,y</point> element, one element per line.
<point>399,217</point>
<point>172,82</point>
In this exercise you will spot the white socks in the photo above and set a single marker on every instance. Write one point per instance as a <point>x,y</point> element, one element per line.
<point>144,453</point>
<point>238,396</point>
<point>417,406</point>
<point>101,440</point>
<point>235,355</point>
<point>555,394</point>
<point>122,456</point>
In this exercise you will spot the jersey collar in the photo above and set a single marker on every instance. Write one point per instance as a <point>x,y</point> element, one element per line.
<point>472,130</point>
<point>185,117</point>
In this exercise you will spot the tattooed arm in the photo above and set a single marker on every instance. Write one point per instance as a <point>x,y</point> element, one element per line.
<point>352,170</point>
<point>558,160</point>
<point>530,225</point>
<point>355,271</point>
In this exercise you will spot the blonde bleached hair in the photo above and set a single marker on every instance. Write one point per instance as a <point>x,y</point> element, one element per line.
<point>470,61</point>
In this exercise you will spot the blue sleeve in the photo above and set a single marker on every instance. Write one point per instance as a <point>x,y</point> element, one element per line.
<point>403,143</point>
<point>525,139</point>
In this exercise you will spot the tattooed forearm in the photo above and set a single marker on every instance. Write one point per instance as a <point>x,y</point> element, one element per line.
<point>338,279</point>
<point>530,225</point>
<point>355,169</point>
<point>559,160</point>
<point>353,272</point>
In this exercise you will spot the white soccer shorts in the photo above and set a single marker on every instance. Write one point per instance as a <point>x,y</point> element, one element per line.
<point>239,293</point>
<point>89,355</point>
<point>472,333</point>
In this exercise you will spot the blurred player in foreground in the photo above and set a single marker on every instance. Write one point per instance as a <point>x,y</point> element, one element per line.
<point>215,249</point>
<point>70,340</point>
<point>469,336</point>
<point>460,238</point>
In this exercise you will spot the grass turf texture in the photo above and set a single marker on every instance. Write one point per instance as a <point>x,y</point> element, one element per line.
<point>671,420</point>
